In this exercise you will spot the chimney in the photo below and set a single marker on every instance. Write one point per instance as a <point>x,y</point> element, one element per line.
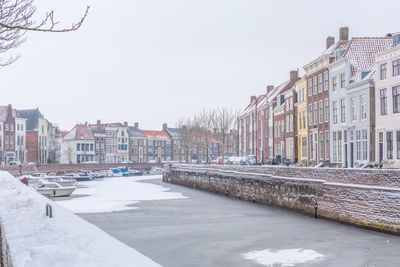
<point>98,123</point>
<point>270,88</point>
<point>329,41</point>
<point>253,98</point>
<point>125,124</point>
<point>164,126</point>
<point>344,33</point>
<point>136,124</point>
<point>294,74</point>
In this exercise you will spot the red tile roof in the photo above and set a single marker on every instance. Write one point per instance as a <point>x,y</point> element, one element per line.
<point>156,135</point>
<point>361,51</point>
<point>79,132</point>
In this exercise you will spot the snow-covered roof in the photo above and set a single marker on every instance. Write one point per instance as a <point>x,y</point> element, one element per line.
<point>156,135</point>
<point>79,132</point>
<point>135,132</point>
<point>361,51</point>
<point>32,116</point>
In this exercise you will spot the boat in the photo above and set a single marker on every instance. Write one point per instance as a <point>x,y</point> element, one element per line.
<point>63,181</point>
<point>135,172</point>
<point>55,190</point>
<point>79,177</point>
<point>156,170</point>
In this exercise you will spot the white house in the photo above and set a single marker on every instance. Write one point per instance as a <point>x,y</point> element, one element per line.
<point>387,103</point>
<point>78,145</point>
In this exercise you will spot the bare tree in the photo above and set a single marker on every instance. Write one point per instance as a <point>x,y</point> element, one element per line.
<point>185,136</point>
<point>17,18</point>
<point>224,120</point>
<point>205,119</point>
<point>69,153</point>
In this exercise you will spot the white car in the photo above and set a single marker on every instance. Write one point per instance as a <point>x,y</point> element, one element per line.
<point>14,163</point>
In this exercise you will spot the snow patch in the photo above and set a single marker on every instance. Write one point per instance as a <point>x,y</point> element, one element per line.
<point>65,240</point>
<point>285,257</point>
<point>116,194</point>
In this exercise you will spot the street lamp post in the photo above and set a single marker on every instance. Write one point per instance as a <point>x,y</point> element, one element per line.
<point>256,113</point>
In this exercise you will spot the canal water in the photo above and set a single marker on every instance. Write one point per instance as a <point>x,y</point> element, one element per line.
<point>206,229</point>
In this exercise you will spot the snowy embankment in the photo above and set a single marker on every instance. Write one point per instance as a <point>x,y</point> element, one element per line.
<point>115,194</point>
<point>64,240</point>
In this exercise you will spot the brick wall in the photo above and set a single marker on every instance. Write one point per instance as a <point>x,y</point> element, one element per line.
<point>372,206</point>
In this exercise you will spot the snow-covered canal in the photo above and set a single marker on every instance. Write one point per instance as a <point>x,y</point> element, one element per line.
<point>180,226</point>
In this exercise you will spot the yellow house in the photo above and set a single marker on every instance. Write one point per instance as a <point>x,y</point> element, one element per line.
<point>302,122</point>
<point>123,143</point>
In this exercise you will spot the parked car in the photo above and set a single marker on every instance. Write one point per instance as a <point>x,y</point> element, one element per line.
<point>251,160</point>
<point>14,163</point>
<point>323,164</point>
<point>235,160</point>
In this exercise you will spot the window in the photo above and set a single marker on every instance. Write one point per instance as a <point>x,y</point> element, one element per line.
<point>309,83</point>
<point>353,109</point>
<point>310,115</point>
<point>302,94</point>
<point>389,145</point>
<point>321,145</point>
<point>311,146</point>
<point>321,112</point>
<point>358,145</point>
<point>326,106</point>
<point>396,67</point>
<point>396,99</point>
<point>11,142</point>
<point>91,147</point>
<point>304,119</point>
<point>304,146</point>
<point>342,110</point>
<point>335,112</point>
<point>300,117</point>
<point>315,113</point>
<point>339,137</point>
<point>334,147</point>
<point>383,96</point>
<point>327,145</point>
<point>363,108</point>
<point>320,83</point>
<point>326,80</point>
<point>383,71</point>
<point>315,85</point>
<point>334,84</point>
<point>78,147</point>
<point>364,144</point>
<point>342,80</point>
<point>398,144</point>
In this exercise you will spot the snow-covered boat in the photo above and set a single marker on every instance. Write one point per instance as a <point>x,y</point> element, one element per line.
<point>156,170</point>
<point>55,190</point>
<point>63,181</point>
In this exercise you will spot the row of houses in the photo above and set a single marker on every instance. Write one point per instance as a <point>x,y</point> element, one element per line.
<point>26,136</point>
<point>121,143</point>
<point>343,110</point>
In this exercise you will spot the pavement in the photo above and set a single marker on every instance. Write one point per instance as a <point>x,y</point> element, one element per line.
<point>206,229</point>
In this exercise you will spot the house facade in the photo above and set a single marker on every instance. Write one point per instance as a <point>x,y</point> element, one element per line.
<point>302,121</point>
<point>78,146</point>
<point>123,143</point>
<point>137,144</point>
<point>387,103</point>
<point>158,146</point>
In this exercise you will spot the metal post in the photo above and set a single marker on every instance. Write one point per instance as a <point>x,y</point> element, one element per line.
<point>256,131</point>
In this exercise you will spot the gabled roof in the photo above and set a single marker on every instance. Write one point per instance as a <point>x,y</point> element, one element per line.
<point>136,132</point>
<point>361,51</point>
<point>32,118</point>
<point>3,113</point>
<point>79,132</point>
<point>156,135</point>
<point>173,132</point>
<point>103,125</point>
<point>97,130</point>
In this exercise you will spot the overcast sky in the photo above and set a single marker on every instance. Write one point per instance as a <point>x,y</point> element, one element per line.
<point>153,61</point>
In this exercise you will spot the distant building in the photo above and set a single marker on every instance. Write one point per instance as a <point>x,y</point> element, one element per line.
<point>158,146</point>
<point>36,135</point>
<point>78,145</point>
<point>137,144</point>
<point>123,143</point>
<point>8,134</point>
<point>99,135</point>
<point>178,153</point>
<point>55,141</point>
<point>302,121</point>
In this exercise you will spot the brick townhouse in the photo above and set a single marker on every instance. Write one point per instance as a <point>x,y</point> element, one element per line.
<point>158,146</point>
<point>7,143</point>
<point>99,134</point>
<point>111,130</point>
<point>137,144</point>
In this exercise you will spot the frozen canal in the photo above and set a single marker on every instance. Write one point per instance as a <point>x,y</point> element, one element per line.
<point>206,229</point>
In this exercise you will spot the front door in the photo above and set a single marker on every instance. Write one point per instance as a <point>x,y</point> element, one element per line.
<point>380,152</point>
<point>345,156</point>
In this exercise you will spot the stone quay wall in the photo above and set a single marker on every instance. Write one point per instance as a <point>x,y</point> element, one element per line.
<point>351,196</point>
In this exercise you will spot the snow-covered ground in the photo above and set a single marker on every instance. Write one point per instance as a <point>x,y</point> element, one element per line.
<point>115,194</point>
<point>35,240</point>
<point>284,257</point>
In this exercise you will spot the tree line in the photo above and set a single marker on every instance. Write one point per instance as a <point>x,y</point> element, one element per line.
<point>195,132</point>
